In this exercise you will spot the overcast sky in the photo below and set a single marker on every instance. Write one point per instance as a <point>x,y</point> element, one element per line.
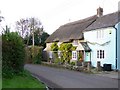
<point>53,13</point>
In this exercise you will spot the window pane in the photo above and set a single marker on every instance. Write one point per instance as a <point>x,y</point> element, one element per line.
<point>97,53</point>
<point>103,53</point>
<point>102,33</point>
<point>97,34</point>
<point>100,54</point>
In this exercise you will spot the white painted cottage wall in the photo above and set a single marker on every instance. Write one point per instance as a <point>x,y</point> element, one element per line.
<point>95,44</point>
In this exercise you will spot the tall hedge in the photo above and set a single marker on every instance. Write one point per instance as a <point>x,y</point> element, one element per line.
<point>35,58</point>
<point>13,54</point>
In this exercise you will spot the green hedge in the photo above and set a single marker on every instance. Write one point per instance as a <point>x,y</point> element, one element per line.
<point>33,54</point>
<point>12,54</point>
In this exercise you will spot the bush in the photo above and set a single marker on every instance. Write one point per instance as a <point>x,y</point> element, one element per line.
<point>12,54</point>
<point>72,63</point>
<point>38,57</point>
<point>33,58</point>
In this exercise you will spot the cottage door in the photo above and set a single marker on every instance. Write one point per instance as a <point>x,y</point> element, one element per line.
<point>87,56</point>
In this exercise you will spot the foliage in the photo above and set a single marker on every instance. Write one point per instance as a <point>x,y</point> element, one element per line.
<point>6,29</point>
<point>12,54</point>
<point>72,63</point>
<point>66,49</point>
<point>25,26</point>
<point>37,57</point>
<point>22,27</point>
<point>39,39</point>
<point>59,61</point>
<point>29,26</point>
<point>44,36</point>
<point>79,56</point>
<point>54,47</point>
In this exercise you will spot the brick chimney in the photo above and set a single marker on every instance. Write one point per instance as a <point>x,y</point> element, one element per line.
<point>99,11</point>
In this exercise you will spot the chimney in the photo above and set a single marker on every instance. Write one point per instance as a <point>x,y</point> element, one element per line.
<point>99,11</point>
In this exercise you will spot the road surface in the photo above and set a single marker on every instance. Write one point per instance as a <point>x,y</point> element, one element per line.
<point>63,78</point>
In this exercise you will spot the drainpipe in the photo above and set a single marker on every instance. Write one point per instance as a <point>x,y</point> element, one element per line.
<point>116,46</point>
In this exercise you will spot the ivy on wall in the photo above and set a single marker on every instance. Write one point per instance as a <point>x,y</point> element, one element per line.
<point>66,49</point>
<point>54,47</point>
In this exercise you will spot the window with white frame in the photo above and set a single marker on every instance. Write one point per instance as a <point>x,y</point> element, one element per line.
<point>100,54</point>
<point>74,55</point>
<point>100,34</point>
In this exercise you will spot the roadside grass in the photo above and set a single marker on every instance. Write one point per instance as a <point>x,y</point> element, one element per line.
<point>0,83</point>
<point>23,80</point>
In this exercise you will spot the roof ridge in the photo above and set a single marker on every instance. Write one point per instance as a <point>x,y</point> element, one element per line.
<point>78,21</point>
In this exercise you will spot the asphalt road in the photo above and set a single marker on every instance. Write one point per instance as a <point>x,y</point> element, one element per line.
<point>60,78</point>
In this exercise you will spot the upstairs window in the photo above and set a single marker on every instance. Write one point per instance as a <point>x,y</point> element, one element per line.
<point>100,34</point>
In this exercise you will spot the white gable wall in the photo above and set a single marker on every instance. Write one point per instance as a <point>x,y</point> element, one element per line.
<point>106,42</point>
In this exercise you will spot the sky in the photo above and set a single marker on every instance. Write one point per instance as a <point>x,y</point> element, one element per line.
<point>53,13</point>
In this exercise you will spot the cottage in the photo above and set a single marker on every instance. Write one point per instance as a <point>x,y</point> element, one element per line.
<point>101,37</point>
<point>72,33</point>
<point>95,37</point>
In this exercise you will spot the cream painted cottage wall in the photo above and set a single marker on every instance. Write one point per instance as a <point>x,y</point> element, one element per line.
<point>105,40</point>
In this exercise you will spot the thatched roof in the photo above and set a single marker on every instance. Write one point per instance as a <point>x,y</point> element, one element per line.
<point>71,30</point>
<point>108,20</point>
<point>74,30</point>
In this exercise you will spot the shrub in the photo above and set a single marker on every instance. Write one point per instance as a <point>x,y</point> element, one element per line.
<point>72,63</point>
<point>37,57</point>
<point>12,54</point>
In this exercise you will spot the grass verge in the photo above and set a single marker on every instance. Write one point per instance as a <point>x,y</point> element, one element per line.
<point>23,80</point>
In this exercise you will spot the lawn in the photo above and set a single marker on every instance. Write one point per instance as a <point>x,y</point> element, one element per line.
<point>22,81</point>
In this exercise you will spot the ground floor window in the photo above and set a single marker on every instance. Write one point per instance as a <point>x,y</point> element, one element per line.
<point>100,54</point>
<point>74,55</point>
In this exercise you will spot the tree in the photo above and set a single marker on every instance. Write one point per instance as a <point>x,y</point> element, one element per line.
<point>22,27</point>
<point>39,39</point>
<point>44,36</point>
<point>35,26</point>
<point>28,27</point>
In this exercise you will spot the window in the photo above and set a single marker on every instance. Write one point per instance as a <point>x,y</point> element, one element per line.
<point>74,55</point>
<point>100,54</point>
<point>100,34</point>
<point>97,53</point>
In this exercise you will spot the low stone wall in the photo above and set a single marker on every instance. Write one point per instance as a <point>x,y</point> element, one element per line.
<point>68,66</point>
